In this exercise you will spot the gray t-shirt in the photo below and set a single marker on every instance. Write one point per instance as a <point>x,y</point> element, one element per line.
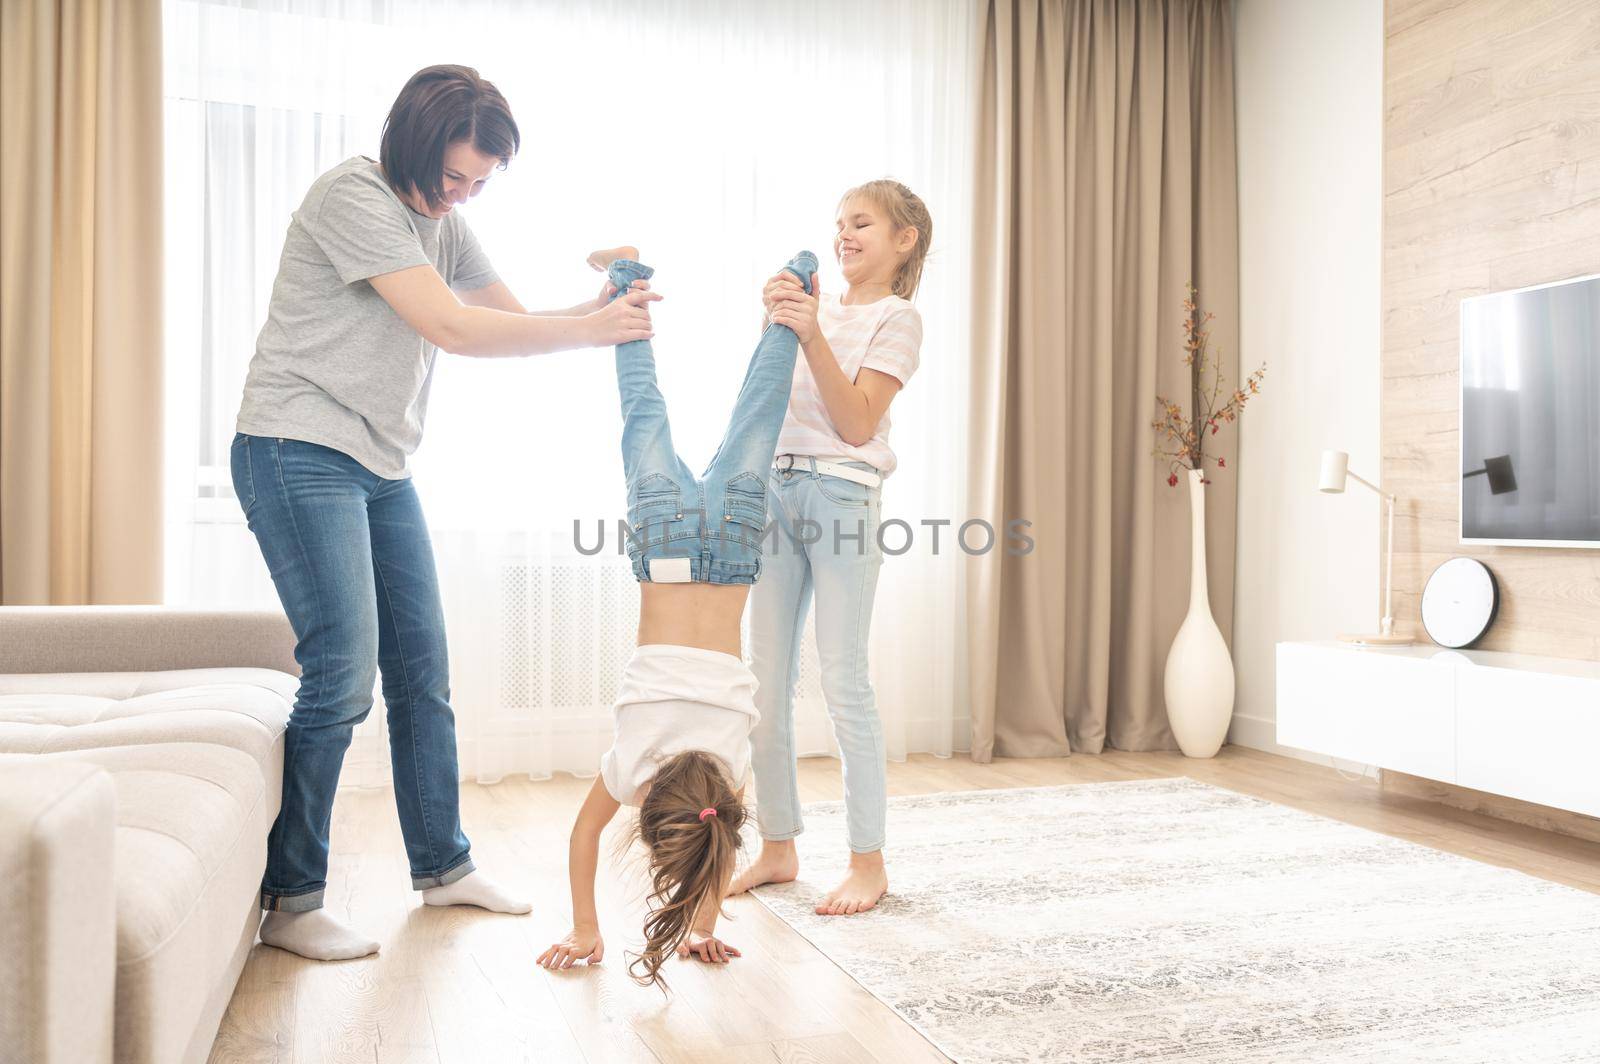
<point>334,363</point>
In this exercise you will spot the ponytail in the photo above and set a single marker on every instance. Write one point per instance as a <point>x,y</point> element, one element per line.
<point>689,823</point>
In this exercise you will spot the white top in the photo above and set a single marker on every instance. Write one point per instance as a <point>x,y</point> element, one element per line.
<point>674,698</point>
<point>886,336</point>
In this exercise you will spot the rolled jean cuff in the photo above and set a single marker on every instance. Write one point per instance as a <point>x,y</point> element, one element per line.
<point>783,836</point>
<point>445,878</point>
<point>292,903</point>
<point>867,849</point>
<point>803,265</point>
<point>623,272</point>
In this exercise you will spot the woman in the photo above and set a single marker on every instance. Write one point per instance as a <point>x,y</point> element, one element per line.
<point>378,272</point>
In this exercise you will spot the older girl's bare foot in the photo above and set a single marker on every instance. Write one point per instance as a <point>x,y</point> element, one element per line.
<point>777,863</point>
<point>861,889</point>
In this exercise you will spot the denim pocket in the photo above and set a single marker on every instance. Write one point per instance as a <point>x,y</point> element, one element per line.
<point>654,495</point>
<point>244,478</point>
<point>745,529</point>
<point>844,492</point>
<point>655,505</point>
<point>739,548</point>
<point>745,500</point>
<point>654,487</point>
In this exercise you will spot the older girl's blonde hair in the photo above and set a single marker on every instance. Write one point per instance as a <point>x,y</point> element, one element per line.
<point>904,208</point>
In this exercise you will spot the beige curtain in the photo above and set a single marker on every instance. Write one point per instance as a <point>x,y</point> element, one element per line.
<point>80,301</point>
<point>1106,182</point>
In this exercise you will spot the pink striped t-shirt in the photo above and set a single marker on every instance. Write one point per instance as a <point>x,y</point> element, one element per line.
<point>885,335</point>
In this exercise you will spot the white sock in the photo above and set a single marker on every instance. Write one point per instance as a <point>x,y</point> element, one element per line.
<point>475,888</point>
<point>316,935</point>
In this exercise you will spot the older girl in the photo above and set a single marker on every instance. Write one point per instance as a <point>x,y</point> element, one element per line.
<point>833,456</point>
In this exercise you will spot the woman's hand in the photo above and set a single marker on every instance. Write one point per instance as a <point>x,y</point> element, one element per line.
<point>792,307</point>
<point>708,948</point>
<point>601,260</point>
<point>582,943</point>
<point>621,320</point>
<point>606,288</point>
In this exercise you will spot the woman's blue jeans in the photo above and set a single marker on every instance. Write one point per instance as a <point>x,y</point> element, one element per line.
<point>827,547</point>
<point>350,555</point>
<point>707,529</point>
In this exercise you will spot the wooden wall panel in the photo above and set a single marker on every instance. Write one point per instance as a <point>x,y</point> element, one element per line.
<point>1491,181</point>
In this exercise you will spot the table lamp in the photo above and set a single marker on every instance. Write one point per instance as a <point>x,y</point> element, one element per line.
<point>1335,469</point>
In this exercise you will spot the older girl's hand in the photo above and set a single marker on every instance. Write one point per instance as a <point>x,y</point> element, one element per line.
<point>778,282</point>
<point>792,307</point>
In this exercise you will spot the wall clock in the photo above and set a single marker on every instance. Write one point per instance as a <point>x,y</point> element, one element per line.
<point>1459,602</point>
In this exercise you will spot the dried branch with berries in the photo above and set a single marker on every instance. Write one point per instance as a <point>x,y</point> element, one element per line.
<point>1180,436</point>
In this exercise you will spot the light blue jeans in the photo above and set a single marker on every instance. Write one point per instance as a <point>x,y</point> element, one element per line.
<point>711,526</point>
<point>827,546</point>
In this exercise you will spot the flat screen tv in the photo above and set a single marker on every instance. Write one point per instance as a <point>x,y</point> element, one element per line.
<point>1530,416</point>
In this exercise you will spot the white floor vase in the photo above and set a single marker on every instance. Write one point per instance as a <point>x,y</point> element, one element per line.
<point>1199,677</point>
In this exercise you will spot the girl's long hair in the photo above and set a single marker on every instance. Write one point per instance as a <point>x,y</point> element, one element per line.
<point>904,208</point>
<point>690,860</point>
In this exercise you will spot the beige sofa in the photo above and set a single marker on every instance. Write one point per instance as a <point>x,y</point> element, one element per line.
<point>141,766</point>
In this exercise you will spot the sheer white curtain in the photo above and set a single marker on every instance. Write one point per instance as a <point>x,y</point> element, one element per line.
<point>714,135</point>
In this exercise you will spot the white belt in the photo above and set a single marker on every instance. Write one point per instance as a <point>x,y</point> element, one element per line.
<point>784,463</point>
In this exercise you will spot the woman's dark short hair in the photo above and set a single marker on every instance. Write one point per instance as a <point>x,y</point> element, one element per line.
<point>440,106</point>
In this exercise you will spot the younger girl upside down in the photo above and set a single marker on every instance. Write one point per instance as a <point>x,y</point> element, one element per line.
<point>686,701</point>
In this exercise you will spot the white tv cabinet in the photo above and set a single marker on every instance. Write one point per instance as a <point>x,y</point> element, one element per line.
<point>1517,725</point>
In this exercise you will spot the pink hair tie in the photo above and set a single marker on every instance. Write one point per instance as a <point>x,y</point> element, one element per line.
<point>705,813</point>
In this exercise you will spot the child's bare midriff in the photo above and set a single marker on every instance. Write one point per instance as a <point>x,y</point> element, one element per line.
<point>692,615</point>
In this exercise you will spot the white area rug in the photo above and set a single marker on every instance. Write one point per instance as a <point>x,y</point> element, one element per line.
<point>1168,920</point>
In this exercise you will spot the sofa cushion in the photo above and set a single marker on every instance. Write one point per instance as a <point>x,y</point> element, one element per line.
<point>196,760</point>
<point>57,911</point>
<point>245,709</point>
<point>190,848</point>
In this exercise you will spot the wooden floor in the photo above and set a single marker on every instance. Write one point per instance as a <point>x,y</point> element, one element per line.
<point>460,985</point>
